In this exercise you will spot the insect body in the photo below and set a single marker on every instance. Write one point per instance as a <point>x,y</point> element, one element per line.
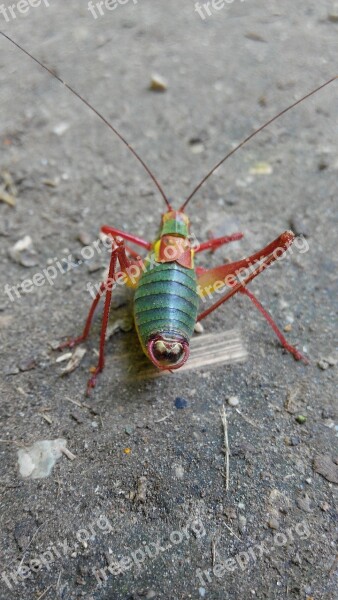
<point>166,300</point>
<point>167,284</point>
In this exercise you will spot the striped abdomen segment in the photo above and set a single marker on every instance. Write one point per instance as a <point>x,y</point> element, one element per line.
<point>166,299</point>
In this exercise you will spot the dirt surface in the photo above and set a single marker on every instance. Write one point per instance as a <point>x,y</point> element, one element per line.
<point>147,481</point>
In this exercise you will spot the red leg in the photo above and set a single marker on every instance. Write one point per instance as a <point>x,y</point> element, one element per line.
<point>267,316</point>
<point>207,278</point>
<point>126,236</point>
<point>267,257</point>
<point>73,342</point>
<point>119,253</point>
<point>108,287</point>
<point>132,252</point>
<point>215,243</point>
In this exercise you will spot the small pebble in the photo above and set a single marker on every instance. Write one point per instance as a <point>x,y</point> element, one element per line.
<point>196,146</point>
<point>328,413</point>
<point>61,128</point>
<point>261,168</point>
<point>242,523</point>
<point>94,266</point>
<point>179,472</point>
<point>325,466</point>
<point>298,227</point>
<point>325,363</point>
<point>233,401</point>
<point>255,37</point>
<point>273,523</point>
<point>293,440</point>
<point>85,238</point>
<point>77,416</point>
<point>158,84</point>
<point>230,512</point>
<point>322,165</point>
<point>304,503</point>
<point>333,14</point>
<point>181,403</point>
<point>27,365</point>
<point>202,591</point>
<point>5,320</point>
<point>129,429</point>
<point>198,327</point>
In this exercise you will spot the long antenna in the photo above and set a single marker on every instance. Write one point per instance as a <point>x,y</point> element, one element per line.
<point>159,187</point>
<point>251,136</point>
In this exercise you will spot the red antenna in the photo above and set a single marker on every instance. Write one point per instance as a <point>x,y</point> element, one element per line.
<point>159,187</point>
<point>250,137</point>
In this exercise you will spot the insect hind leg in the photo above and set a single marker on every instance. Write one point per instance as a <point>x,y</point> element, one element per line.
<point>297,355</point>
<point>265,257</point>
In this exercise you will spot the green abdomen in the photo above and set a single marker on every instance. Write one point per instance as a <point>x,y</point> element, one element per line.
<point>166,299</point>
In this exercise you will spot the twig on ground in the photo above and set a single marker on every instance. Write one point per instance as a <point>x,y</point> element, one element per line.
<point>226,447</point>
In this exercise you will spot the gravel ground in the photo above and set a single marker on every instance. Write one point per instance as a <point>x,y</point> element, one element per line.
<point>147,481</point>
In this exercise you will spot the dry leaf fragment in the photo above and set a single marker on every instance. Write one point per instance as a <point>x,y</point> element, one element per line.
<point>6,197</point>
<point>23,252</point>
<point>261,168</point>
<point>74,361</point>
<point>8,190</point>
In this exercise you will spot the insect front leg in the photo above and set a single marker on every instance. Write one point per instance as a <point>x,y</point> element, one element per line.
<point>103,286</point>
<point>106,287</point>
<point>126,236</point>
<point>119,254</point>
<point>74,341</point>
<point>111,231</point>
